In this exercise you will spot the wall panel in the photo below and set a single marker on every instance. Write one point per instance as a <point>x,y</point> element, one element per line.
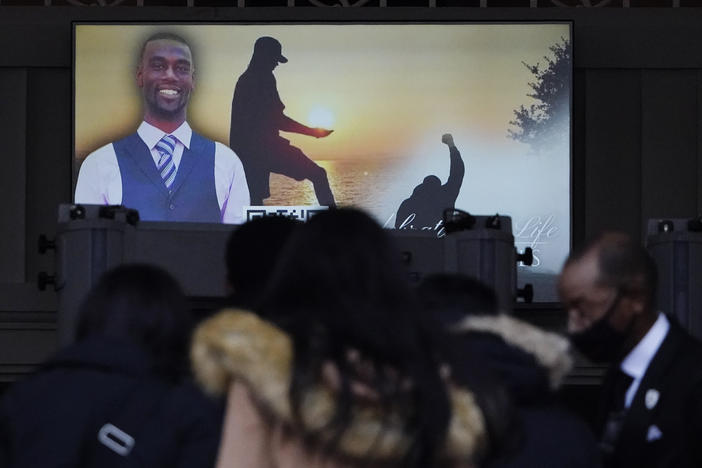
<point>669,126</point>
<point>577,160</point>
<point>699,142</point>
<point>612,153</point>
<point>49,158</point>
<point>13,95</point>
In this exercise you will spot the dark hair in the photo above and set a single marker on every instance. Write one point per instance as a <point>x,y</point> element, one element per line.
<point>162,36</point>
<point>450,297</point>
<point>338,287</point>
<point>623,264</point>
<point>142,305</point>
<point>251,254</point>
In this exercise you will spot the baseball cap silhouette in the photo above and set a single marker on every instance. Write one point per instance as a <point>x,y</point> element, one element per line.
<point>270,47</point>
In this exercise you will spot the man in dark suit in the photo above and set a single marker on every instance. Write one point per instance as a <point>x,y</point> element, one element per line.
<point>651,407</point>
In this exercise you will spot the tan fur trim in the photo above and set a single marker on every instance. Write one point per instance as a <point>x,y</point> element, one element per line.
<point>550,350</point>
<point>467,433</point>
<point>239,345</point>
<point>236,344</point>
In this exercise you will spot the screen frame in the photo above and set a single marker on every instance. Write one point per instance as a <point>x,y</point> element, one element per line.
<point>282,16</point>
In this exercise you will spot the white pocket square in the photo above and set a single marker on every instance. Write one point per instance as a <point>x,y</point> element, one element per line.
<point>653,433</point>
<point>652,396</point>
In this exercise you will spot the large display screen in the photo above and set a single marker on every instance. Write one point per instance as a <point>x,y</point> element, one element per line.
<point>402,120</point>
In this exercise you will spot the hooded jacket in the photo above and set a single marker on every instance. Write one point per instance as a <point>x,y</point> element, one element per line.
<point>54,418</point>
<point>531,364</point>
<point>238,353</point>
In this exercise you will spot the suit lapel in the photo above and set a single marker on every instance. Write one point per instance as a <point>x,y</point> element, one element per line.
<point>639,417</point>
<point>141,155</point>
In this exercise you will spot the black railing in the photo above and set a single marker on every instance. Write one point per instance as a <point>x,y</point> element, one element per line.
<point>367,3</point>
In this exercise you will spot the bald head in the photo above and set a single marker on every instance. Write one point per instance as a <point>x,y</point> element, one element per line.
<point>620,263</point>
<point>611,278</point>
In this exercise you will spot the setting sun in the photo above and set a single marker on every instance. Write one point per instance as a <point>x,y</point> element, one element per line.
<point>321,117</point>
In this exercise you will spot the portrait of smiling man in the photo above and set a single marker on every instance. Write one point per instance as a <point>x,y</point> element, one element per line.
<point>165,170</point>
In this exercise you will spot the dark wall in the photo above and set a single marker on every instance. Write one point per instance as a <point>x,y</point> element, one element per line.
<point>636,128</point>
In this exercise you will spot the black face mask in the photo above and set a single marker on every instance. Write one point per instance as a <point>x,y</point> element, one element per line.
<point>601,343</point>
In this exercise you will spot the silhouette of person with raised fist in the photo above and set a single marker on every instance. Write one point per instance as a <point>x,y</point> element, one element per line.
<point>424,208</point>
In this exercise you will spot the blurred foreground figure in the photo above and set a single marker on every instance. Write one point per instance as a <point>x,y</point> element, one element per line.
<point>651,407</point>
<point>117,397</point>
<point>336,371</point>
<point>252,252</point>
<point>527,362</point>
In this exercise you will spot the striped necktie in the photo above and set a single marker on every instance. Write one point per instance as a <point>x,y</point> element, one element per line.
<point>166,166</point>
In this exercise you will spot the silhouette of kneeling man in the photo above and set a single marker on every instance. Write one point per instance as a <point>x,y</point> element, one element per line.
<point>424,208</point>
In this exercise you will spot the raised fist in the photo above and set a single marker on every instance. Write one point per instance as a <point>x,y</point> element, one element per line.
<point>447,138</point>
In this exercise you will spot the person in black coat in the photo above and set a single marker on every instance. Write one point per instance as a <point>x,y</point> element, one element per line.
<point>252,252</point>
<point>525,362</point>
<point>119,396</point>
<point>651,405</point>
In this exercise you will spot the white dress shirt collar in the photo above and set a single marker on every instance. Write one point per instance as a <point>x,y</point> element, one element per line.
<point>637,361</point>
<point>152,135</point>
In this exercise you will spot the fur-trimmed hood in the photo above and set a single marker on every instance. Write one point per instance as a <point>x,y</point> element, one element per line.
<point>549,350</point>
<point>238,345</point>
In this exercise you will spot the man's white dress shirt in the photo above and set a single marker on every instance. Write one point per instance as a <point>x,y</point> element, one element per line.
<point>637,361</point>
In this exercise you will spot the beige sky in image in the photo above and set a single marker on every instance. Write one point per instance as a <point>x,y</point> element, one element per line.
<point>385,86</point>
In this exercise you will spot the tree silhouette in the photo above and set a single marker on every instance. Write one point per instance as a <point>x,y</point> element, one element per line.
<point>546,123</point>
